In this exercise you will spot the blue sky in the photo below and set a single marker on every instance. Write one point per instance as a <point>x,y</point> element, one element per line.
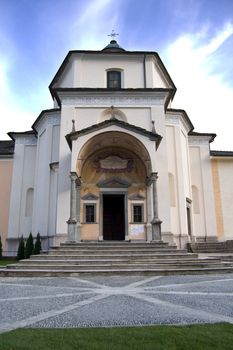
<point>194,38</point>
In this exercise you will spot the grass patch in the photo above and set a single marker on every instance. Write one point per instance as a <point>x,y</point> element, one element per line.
<point>7,262</point>
<point>195,337</point>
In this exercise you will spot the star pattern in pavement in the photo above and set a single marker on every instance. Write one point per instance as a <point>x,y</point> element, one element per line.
<point>115,301</point>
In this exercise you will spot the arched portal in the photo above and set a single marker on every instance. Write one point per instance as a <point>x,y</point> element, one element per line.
<point>113,167</point>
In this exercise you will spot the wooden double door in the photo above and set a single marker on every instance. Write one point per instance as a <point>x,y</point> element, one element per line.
<point>113,217</point>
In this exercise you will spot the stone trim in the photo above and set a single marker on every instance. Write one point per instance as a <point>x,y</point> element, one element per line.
<point>152,136</point>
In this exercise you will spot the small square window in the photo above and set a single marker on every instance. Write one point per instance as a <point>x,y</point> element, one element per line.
<point>114,79</point>
<point>138,213</point>
<point>89,213</point>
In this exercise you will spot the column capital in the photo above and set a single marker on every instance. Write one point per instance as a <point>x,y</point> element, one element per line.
<point>73,175</point>
<point>76,178</point>
<point>78,182</point>
<point>152,178</point>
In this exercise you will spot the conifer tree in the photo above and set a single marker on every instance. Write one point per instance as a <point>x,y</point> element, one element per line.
<point>0,248</point>
<point>37,247</point>
<point>21,249</point>
<point>29,246</point>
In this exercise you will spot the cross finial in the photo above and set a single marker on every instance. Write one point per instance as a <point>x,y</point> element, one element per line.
<point>73,125</point>
<point>112,113</point>
<point>153,127</point>
<point>113,34</point>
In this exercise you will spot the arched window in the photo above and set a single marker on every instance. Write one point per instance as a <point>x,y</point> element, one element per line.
<point>113,79</point>
<point>29,202</point>
<point>196,205</point>
<point>172,190</point>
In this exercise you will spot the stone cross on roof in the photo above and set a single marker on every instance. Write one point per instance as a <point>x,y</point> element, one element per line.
<point>113,34</point>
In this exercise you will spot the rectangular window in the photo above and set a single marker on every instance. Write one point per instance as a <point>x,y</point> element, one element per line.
<point>138,213</point>
<point>114,79</point>
<point>89,213</point>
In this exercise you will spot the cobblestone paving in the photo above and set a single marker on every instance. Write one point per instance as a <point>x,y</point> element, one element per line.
<point>115,301</point>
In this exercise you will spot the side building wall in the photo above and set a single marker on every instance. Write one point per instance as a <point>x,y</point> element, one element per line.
<point>22,191</point>
<point>46,178</point>
<point>6,168</point>
<point>34,183</point>
<point>222,171</point>
<point>202,189</point>
<point>179,178</point>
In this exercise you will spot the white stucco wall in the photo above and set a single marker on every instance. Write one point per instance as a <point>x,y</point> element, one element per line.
<point>201,177</point>
<point>172,169</point>
<point>63,197</point>
<point>44,214</point>
<point>199,211</point>
<point>179,168</point>
<point>22,180</point>
<point>84,117</point>
<point>225,176</point>
<point>89,70</point>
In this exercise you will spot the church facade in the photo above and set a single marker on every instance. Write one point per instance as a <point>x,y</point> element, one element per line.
<point>114,161</point>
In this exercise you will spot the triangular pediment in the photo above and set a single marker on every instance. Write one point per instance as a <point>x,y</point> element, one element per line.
<point>110,122</point>
<point>113,183</point>
<point>136,197</point>
<point>89,197</point>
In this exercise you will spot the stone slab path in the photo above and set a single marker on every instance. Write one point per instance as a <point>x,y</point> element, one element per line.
<point>115,301</point>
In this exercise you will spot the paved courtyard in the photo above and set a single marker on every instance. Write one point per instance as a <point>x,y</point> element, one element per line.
<point>115,301</point>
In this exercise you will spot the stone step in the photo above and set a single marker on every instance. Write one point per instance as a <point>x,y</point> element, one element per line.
<point>117,261</point>
<point>107,272</point>
<point>126,245</point>
<point>116,251</point>
<point>211,247</point>
<point>114,266</point>
<point>116,258</point>
<point>112,256</point>
<point>114,247</point>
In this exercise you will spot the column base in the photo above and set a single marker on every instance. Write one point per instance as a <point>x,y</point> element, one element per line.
<point>148,232</point>
<point>156,229</point>
<point>72,231</point>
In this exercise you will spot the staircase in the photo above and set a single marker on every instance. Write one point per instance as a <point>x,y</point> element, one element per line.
<point>116,257</point>
<point>211,247</point>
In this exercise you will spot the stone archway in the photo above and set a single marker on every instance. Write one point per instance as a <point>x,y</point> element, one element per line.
<point>113,167</point>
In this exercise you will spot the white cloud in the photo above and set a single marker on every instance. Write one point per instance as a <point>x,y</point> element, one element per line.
<point>95,22</point>
<point>13,115</point>
<point>93,10</point>
<point>204,95</point>
<point>88,30</point>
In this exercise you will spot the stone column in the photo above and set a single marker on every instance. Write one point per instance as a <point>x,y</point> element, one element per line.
<point>72,222</point>
<point>156,222</point>
<point>78,185</point>
<point>149,214</point>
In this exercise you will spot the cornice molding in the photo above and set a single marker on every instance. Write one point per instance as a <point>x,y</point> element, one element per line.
<point>29,140</point>
<point>128,99</point>
<point>198,140</point>
<point>48,119</point>
<point>177,119</point>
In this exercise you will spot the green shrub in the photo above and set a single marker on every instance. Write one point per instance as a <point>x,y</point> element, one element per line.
<point>0,248</point>
<point>37,247</point>
<point>21,249</point>
<point>29,246</point>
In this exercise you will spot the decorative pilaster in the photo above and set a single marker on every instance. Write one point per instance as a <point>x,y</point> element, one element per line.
<point>156,222</point>
<point>72,222</point>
